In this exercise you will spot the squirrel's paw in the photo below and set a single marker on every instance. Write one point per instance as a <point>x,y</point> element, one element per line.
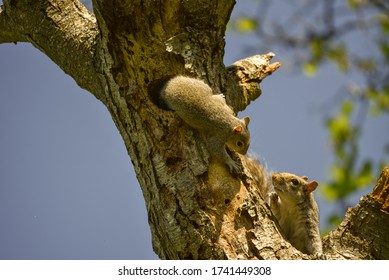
<point>274,203</point>
<point>273,196</point>
<point>235,167</point>
<point>319,256</point>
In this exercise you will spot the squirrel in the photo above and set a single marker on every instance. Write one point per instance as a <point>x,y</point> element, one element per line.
<point>194,102</point>
<point>296,210</point>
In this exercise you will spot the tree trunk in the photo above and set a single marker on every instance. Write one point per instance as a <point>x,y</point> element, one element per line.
<point>122,54</point>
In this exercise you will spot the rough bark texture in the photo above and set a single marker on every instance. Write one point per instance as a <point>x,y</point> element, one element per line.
<point>364,233</point>
<point>121,54</point>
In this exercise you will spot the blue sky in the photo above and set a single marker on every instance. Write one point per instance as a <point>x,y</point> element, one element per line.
<point>67,185</point>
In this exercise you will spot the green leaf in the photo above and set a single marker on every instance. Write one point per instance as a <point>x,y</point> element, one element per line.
<point>332,222</point>
<point>329,191</point>
<point>353,4</point>
<point>365,176</point>
<point>245,25</point>
<point>334,219</point>
<point>384,21</point>
<point>384,47</point>
<point>379,101</point>
<point>340,131</point>
<point>347,108</point>
<point>309,69</point>
<point>317,49</point>
<point>338,54</point>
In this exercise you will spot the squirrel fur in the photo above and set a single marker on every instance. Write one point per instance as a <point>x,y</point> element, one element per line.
<point>196,105</point>
<point>296,210</point>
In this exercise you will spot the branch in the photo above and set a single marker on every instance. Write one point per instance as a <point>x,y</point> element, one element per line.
<point>8,32</point>
<point>364,233</point>
<point>196,208</point>
<point>248,73</point>
<point>64,30</point>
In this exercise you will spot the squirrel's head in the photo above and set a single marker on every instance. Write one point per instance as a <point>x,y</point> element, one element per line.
<point>239,140</point>
<point>290,186</point>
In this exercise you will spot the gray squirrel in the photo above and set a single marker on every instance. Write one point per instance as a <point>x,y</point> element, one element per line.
<point>296,210</point>
<point>196,105</point>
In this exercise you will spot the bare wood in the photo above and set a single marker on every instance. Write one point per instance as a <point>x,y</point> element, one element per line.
<point>247,73</point>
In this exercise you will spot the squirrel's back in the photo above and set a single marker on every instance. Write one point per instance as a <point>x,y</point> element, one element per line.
<point>194,102</point>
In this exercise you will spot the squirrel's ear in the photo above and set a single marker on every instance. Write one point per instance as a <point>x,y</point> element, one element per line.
<point>246,120</point>
<point>304,178</point>
<point>238,129</point>
<point>312,186</point>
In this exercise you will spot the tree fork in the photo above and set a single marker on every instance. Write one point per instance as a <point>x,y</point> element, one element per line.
<point>196,209</point>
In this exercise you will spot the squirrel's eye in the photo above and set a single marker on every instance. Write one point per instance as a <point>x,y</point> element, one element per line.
<point>295,182</point>
<point>239,143</point>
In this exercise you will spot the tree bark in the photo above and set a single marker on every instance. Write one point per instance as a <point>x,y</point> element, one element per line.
<point>196,209</point>
<point>364,233</point>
